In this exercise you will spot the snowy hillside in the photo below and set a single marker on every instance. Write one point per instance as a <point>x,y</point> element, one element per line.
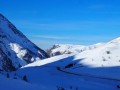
<point>102,61</point>
<point>106,55</point>
<point>60,49</point>
<point>15,49</point>
<point>96,69</point>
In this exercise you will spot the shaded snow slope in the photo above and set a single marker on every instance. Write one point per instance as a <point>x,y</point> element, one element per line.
<point>12,84</point>
<point>15,49</point>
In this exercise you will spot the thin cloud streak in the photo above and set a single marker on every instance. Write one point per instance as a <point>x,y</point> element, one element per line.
<point>45,44</point>
<point>75,38</point>
<point>49,37</point>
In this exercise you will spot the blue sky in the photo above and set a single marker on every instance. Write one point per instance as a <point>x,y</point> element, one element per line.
<point>47,22</point>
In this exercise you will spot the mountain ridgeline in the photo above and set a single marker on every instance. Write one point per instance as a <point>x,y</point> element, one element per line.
<point>60,49</point>
<point>15,49</point>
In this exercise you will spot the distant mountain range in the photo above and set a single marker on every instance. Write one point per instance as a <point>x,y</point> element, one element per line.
<point>60,49</point>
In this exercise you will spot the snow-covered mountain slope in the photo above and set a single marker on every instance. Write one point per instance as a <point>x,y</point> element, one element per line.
<point>15,49</point>
<point>96,69</point>
<point>101,61</point>
<point>55,74</point>
<point>60,49</point>
<point>106,55</point>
